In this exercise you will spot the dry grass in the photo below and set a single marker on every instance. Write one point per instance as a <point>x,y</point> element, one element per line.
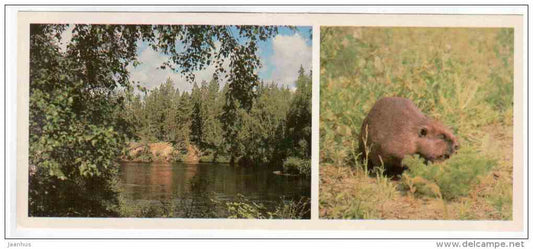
<point>154,152</point>
<point>162,151</point>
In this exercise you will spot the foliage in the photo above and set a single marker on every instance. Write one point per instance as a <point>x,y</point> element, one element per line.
<point>277,126</point>
<point>83,110</point>
<point>299,118</point>
<point>262,132</point>
<point>78,100</point>
<point>295,165</point>
<point>73,146</point>
<point>451,179</point>
<point>238,44</point>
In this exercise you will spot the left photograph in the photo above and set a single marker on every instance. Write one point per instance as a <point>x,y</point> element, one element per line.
<point>170,121</point>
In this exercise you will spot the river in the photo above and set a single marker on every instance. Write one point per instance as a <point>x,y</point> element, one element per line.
<point>198,185</point>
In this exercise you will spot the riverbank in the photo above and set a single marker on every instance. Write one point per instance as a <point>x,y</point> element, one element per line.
<point>160,152</point>
<point>164,152</point>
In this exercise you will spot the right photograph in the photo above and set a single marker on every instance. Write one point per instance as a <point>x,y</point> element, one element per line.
<point>416,123</point>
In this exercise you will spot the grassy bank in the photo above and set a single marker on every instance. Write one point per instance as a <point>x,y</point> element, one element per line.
<point>462,77</point>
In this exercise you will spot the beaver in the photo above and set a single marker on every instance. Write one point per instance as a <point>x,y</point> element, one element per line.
<point>395,127</point>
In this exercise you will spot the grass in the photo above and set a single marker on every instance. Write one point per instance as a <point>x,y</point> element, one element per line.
<point>243,208</point>
<point>194,207</point>
<point>349,193</point>
<point>462,77</point>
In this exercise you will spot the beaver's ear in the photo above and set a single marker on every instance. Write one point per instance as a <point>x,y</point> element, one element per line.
<point>422,132</point>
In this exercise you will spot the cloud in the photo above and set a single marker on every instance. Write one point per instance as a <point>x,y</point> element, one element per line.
<point>150,75</point>
<point>289,52</point>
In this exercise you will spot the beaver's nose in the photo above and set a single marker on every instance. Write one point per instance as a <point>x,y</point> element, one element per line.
<point>446,156</point>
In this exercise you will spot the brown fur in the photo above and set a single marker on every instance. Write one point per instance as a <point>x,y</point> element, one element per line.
<point>395,127</point>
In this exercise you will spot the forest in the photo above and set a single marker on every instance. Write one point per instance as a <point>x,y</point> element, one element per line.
<point>276,128</point>
<point>86,113</point>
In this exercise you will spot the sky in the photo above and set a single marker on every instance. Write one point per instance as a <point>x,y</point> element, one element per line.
<point>281,57</point>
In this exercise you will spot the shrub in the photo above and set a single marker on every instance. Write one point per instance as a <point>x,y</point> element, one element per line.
<point>295,165</point>
<point>449,180</point>
<point>145,155</point>
<point>178,156</point>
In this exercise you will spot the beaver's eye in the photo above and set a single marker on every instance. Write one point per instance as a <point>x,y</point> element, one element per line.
<point>442,136</point>
<point>423,132</point>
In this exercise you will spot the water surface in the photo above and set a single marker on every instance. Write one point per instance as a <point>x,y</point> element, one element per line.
<point>223,182</point>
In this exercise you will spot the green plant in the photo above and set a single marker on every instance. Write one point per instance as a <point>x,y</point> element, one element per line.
<point>145,155</point>
<point>243,208</point>
<point>501,198</point>
<point>294,165</point>
<point>448,180</point>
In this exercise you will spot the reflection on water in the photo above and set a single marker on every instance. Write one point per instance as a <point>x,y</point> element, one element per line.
<point>162,182</point>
